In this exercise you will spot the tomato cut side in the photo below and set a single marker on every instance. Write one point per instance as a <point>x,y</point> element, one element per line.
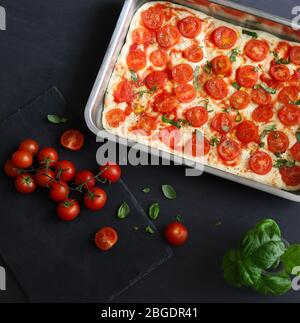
<point>141,36</point>
<point>221,65</point>
<point>197,146</point>
<point>72,139</point>
<point>247,76</point>
<point>289,94</point>
<point>295,55</point>
<point>260,163</point>
<point>153,18</point>
<point>197,116</point>
<point>185,93</point>
<point>158,58</point>
<point>263,113</point>
<point>260,96</point>
<point>190,27</point>
<point>168,36</point>
<point>280,73</point>
<point>278,142</point>
<point>106,238</point>
<point>115,117</point>
<point>295,151</point>
<point>240,100</point>
<point>290,175</point>
<point>257,50</point>
<point>124,92</point>
<point>182,73</point>
<point>156,80</point>
<point>216,88</point>
<point>289,115</point>
<point>165,102</point>
<point>247,131</point>
<point>136,60</point>
<point>147,124</point>
<point>222,123</point>
<point>229,150</point>
<point>193,54</point>
<point>224,37</point>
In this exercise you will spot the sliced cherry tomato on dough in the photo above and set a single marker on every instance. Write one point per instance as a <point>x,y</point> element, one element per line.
<point>72,139</point>
<point>224,37</point>
<point>222,123</point>
<point>247,76</point>
<point>190,27</point>
<point>165,102</point>
<point>141,36</point>
<point>193,53</point>
<point>290,175</point>
<point>229,149</point>
<point>278,142</point>
<point>289,115</point>
<point>263,113</point>
<point>68,210</point>
<point>153,18</point>
<point>257,50</point>
<point>10,169</point>
<point>30,145</point>
<point>260,96</point>
<point>295,55</point>
<point>295,151</point>
<point>147,124</point>
<point>216,88</point>
<point>182,73</point>
<point>171,137</point>
<point>22,159</point>
<point>176,233</point>
<point>106,238</point>
<point>158,58</point>
<point>168,36</point>
<point>44,177</point>
<point>136,60</point>
<point>197,116</point>
<point>197,146</point>
<point>115,117</point>
<point>156,80</point>
<point>65,170</point>
<point>280,73</point>
<point>289,94</point>
<point>240,100</point>
<point>221,65</point>
<point>48,156</point>
<point>260,163</point>
<point>247,131</point>
<point>185,93</point>
<point>111,172</point>
<point>124,92</point>
<point>25,184</point>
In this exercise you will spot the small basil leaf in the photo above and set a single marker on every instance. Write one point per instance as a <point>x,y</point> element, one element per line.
<point>123,211</point>
<point>149,230</point>
<point>168,191</point>
<point>146,190</point>
<point>53,118</point>
<point>154,211</point>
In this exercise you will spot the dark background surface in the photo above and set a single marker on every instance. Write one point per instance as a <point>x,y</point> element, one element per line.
<point>62,43</point>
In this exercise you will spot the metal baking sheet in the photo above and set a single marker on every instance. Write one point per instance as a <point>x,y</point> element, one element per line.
<point>222,9</point>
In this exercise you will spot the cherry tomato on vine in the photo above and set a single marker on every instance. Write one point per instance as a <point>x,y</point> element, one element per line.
<point>85,177</point>
<point>25,184</point>
<point>22,159</point>
<point>30,145</point>
<point>59,191</point>
<point>48,156</point>
<point>111,172</point>
<point>106,238</point>
<point>10,169</point>
<point>65,170</point>
<point>176,233</point>
<point>72,139</point>
<point>95,199</point>
<point>44,177</point>
<point>68,210</point>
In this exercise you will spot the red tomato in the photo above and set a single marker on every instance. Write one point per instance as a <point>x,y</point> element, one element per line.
<point>270,82</point>
<point>260,96</point>
<point>10,169</point>
<point>86,179</point>
<point>159,58</point>
<point>240,100</point>
<point>106,238</point>
<point>216,88</point>
<point>176,233</point>
<point>147,124</point>
<point>289,115</point>
<point>115,117</point>
<point>95,199</point>
<point>25,184</point>
<point>290,175</point>
<point>29,145</point>
<point>197,146</point>
<point>280,72</point>
<point>229,149</point>
<point>141,36</point>
<point>197,116</point>
<point>257,50</point>
<point>260,163</point>
<point>182,73</point>
<point>289,94</point>
<point>65,170</point>
<point>153,18</point>
<point>111,172</point>
<point>221,65</point>
<point>224,37</point>
<point>295,151</point>
<point>59,191</point>
<point>171,137</point>
<point>22,159</point>
<point>44,177</point>
<point>278,142</point>
<point>222,123</point>
<point>124,92</point>
<point>263,113</point>
<point>283,49</point>
<point>156,80</point>
<point>190,27</point>
<point>247,76</point>
<point>193,54</point>
<point>165,102</point>
<point>68,210</point>
<point>295,55</point>
<point>48,156</point>
<point>136,60</point>
<point>168,36</point>
<point>185,93</point>
<point>247,131</point>
<point>72,140</point>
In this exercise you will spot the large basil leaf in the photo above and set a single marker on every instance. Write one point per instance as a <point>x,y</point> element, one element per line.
<point>249,273</point>
<point>231,269</point>
<point>291,258</point>
<point>269,226</point>
<point>276,284</point>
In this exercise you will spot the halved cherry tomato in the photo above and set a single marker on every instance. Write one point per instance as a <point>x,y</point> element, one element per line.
<point>269,81</point>
<point>263,113</point>
<point>290,175</point>
<point>197,116</point>
<point>111,172</point>
<point>167,36</point>
<point>141,36</point>
<point>95,199</point>
<point>260,96</point>
<point>224,37</point>
<point>222,123</point>
<point>29,145</point>
<point>260,163</point>
<point>165,102</point>
<point>25,184</point>
<point>72,139</point>
<point>106,238</point>
<point>289,115</point>
<point>283,49</point>
<point>171,137</point>
<point>86,179</point>
<point>124,92</point>
<point>10,169</point>
<point>44,177</point>
<point>185,93</point>
<point>115,117</point>
<point>247,131</point>
<point>295,55</point>
<point>216,88</point>
<point>257,50</point>
<point>221,65</point>
<point>280,73</point>
<point>240,100</point>
<point>229,149</point>
<point>182,73</point>
<point>153,18</point>
<point>278,142</point>
<point>197,146</point>
<point>147,124</point>
<point>193,54</point>
<point>68,210</point>
<point>247,76</point>
<point>159,58</point>
<point>59,191</point>
<point>190,27</point>
<point>176,233</point>
<point>136,60</point>
<point>156,79</point>
<point>48,156</point>
<point>295,151</point>
<point>289,94</point>
<point>65,170</point>
<point>22,159</point>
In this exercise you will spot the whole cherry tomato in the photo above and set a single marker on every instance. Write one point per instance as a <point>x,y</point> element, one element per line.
<point>22,159</point>
<point>10,169</point>
<point>176,233</point>
<point>48,156</point>
<point>111,172</point>
<point>68,210</point>
<point>85,178</point>
<point>59,191</point>
<point>44,177</point>
<point>29,145</point>
<point>95,199</point>
<point>25,184</point>
<point>65,170</point>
